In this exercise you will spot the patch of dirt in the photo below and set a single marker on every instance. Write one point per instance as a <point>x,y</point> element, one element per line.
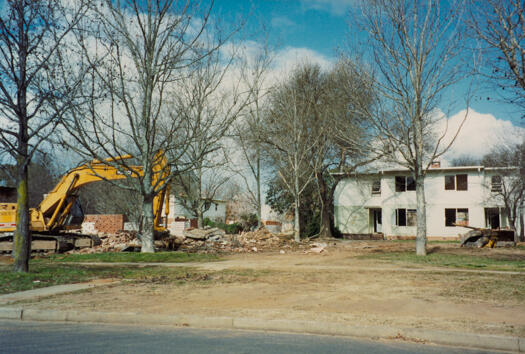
<point>335,286</point>
<point>6,259</point>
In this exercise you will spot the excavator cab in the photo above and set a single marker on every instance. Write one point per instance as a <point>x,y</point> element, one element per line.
<point>76,215</point>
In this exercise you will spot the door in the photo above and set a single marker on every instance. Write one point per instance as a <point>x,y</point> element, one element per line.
<point>492,218</point>
<point>378,222</point>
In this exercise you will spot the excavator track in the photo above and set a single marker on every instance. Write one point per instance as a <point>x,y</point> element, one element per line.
<point>55,243</point>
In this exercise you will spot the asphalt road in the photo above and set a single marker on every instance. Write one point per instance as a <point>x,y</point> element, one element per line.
<point>47,337</point>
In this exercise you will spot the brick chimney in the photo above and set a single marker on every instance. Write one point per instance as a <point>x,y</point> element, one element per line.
<point>435,164</point>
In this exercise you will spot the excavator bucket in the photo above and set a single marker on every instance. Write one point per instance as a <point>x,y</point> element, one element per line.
<point>474,238</point>
<point>478,237</point>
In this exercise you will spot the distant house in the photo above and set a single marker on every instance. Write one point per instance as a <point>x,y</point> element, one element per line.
<point>384,202</point>
<point>216,211</point>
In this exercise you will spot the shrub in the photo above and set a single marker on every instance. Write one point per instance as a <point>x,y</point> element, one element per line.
<point>228,228</point>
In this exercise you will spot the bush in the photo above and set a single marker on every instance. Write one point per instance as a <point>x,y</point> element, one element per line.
<point>228,228</point>
<point>249,221</point>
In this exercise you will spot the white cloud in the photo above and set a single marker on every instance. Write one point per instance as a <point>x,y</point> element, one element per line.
<point>480,133</point>
<point>335,7</point>
<point>289,57</point>
<point>283,62</point>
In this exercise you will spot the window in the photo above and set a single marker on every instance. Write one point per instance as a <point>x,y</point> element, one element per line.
<point>400,183</point>
<point>456,182</point>
<point>406,217</point>
<point>450,183</point>
<point>496,184</point>
<point>401,217</point>
<point>376,187</point>
<point>411,217</point>
<point>411,184</point>
<point>461,182</point>
<point>456,217</point>
<point>405,183</point>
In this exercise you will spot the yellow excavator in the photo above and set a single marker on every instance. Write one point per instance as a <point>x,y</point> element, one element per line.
<point>59,210</point>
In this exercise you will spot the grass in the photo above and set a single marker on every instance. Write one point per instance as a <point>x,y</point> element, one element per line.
<point>43,275</point>
<point>430,242</point>
<point>48,270</point>
<point>443,259</point>
<point>500,288</point>
<point>134,257</point>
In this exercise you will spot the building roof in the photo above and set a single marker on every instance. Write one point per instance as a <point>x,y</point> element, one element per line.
<point>430,170</point>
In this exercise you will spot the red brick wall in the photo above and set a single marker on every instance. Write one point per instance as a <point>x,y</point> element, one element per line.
<point>107,223</point>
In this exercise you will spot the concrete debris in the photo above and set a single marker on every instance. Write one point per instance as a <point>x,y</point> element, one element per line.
<point>211,240</point>
<point>118,242</point>
<point>317,247</point>
<point>213,234</point>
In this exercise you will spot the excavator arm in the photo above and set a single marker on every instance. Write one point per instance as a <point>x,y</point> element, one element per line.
<point>54,209</point>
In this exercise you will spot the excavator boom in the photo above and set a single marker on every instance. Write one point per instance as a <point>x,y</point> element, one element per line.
<point>53,211</point>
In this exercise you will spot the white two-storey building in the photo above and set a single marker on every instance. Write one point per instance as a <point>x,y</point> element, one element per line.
<point>385,202</point>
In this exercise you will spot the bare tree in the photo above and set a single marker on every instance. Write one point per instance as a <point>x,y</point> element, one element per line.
<point>137,51</point>
<point>197,189</point>
<point>416,54</point>
<point>248,130</point>
<point>288,124</point>
<point>511,186</point>
<point>500,25</point>
<point>345,142</point>
<point>31,102</point>
<point>327,99</point>
<point>209,100</point>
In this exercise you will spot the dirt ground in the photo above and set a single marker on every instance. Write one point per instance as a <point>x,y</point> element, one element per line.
<point>336,286</point>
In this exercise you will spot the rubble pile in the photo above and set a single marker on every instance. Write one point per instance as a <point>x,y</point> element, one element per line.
<point>117,242</point>
<point>215,240</point>
<point>207,240</point>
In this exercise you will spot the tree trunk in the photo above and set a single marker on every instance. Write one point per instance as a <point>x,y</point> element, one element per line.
<point>522,224</point>
<point>326,207</point>
<point>200,218</point>
<point>148,228</point>
<point>421,234</point>
<point>258,177</point>
<point>22,236</point>
<point>296,222</point>
<point>512,216</point>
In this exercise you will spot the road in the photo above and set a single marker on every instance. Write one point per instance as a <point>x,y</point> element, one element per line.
<point>47,337</point>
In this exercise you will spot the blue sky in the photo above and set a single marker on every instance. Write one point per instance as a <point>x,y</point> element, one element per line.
<point>314,30</point>
<point>322,26</point>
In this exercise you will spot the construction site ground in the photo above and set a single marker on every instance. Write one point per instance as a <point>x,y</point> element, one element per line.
<point>347,282</point>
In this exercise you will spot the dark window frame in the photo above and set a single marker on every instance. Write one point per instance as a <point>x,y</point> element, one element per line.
<point>411,183</point>
<point>462,185</point>
<point>457,182</point>
<point>496,183</point>
<point>405,183</point>
<point>412,212</point>
<point>401,217</point>
<point>400,182</point>
<point>450,182</point>
<point>451,217</point>
<point>376,186</point>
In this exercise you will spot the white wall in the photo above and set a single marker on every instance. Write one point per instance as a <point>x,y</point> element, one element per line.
<point>353,198</point>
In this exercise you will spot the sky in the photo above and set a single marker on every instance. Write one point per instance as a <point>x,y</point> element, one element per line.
<point>317,30</point>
